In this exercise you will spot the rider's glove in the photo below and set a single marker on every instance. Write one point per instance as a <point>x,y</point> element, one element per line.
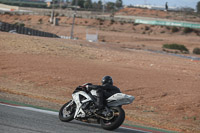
<point>85,88</point>
<point>88,88</point>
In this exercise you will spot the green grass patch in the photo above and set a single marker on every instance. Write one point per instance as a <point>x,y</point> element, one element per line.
<point>175,46</point>
<point>188,30</point>
<point>175,29</point>
<point>196,51</point>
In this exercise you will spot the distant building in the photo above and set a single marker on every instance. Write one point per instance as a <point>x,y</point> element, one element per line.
<point>157,7</point>
<point>58,2</point>
<point>48,4</point>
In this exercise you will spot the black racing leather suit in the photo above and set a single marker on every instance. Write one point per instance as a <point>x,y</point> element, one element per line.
<point>103,92</point>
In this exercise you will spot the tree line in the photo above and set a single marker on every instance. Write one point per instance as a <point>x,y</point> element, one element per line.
<point>24,3</point>
<point>89,4</point>
<point>198,7</point>
<point>83,4</point>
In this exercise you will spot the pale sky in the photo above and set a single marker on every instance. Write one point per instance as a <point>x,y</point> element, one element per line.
<point>173,3</point>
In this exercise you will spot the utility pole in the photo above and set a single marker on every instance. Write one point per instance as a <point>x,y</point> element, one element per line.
<point>103,6</point>
<point>74,16</point>
<point>52,12</point>
<point>60,6</point>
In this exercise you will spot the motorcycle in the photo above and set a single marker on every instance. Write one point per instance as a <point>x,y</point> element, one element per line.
<point>83,107</point>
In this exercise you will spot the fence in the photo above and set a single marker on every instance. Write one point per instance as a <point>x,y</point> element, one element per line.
<point>13,28</point>
<point>168,23</point>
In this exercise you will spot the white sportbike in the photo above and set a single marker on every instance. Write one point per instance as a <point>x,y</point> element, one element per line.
<point>82,107</point>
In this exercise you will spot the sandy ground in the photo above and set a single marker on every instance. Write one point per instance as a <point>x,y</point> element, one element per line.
<point>45,71</point>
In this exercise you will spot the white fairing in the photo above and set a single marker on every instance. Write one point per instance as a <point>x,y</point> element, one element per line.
<point>120,99</point>
<point>94,92</point>
<point>79,112</point>
<point>115,100</point>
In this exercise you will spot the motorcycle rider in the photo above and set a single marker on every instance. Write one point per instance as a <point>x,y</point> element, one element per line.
<point>103,91</point>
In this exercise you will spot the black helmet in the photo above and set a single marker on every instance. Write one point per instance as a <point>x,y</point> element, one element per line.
<point>107,80</point>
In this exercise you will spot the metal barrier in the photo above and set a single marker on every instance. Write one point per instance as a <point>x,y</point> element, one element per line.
<point>13,28</point>
<point>169,23</point>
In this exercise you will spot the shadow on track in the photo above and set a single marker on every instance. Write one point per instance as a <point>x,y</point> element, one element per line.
<point>98,126</point>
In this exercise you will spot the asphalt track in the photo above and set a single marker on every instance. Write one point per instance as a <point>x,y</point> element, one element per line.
<point>17,119</point>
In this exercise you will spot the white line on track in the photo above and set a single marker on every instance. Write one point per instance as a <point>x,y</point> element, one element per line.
<point>32,109</point>
<point>56,114</point>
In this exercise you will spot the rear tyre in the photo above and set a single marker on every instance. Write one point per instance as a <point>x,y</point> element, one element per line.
<point>67,111</point>
<point>116,121</point>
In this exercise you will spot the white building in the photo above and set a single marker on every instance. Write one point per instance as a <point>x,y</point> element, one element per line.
<point>157,7</point>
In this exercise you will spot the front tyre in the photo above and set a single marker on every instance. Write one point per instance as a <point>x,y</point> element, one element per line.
<point>67,111</point>
<point>116,121</point>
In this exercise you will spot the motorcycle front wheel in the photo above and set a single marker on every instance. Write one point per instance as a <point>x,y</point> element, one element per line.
<point>116,121</point>
<point>67,111</point>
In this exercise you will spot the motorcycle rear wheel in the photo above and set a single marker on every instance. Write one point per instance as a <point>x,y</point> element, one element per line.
<point>116,121</point>
<point>66,113</point>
